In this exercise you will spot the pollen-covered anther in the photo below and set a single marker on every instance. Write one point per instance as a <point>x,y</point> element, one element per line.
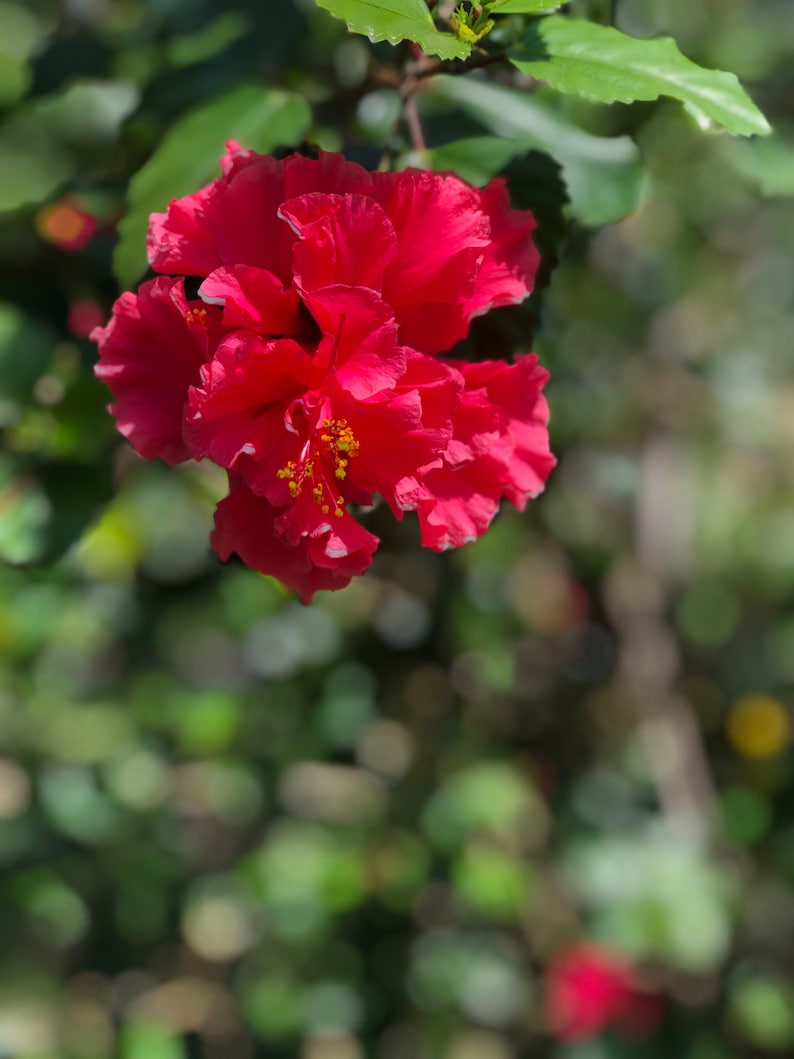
<point>341,444</point>
<point>289,471</point>
<point>336,444</point>
<point>196,317</point>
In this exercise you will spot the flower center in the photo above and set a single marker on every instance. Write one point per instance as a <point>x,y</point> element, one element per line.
<point>323,462</point>
<point>196,317</point>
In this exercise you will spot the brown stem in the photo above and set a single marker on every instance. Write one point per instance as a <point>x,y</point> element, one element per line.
<point>414,124</point>
<point>415,72</point>
<point>457,66</point>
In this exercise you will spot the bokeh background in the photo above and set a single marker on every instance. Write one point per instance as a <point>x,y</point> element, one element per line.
<point>533,798</point>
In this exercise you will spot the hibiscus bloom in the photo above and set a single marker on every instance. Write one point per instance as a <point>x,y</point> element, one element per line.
<point>307,364</point>
<point>590,988</point>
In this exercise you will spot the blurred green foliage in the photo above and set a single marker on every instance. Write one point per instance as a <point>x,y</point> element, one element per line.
<point>234,826</point>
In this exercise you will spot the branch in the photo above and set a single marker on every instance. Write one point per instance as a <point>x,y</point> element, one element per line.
<point>456,66</point>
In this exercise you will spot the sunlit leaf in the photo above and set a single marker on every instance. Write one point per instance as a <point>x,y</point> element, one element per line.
<point>603,64</point>
<point>524,7</point>
<point>397,20</point>
<point>260,118</point>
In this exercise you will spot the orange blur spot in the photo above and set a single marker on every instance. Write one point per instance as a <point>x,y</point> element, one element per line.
<point>65,226</point>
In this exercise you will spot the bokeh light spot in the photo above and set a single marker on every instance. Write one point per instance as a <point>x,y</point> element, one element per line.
<point>759,726</point>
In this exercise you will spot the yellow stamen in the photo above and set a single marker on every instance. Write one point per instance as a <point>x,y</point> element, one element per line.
<point>196,316</point>
<point>336,445</point>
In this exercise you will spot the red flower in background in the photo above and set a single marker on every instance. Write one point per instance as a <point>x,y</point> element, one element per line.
<point>307,364</point>
<point>590,988</point>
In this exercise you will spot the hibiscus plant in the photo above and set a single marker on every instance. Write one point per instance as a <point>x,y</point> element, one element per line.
<point>305,330</point>
<point>479,311</point>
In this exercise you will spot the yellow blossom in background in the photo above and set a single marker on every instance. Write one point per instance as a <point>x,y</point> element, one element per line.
<point>759,726</point>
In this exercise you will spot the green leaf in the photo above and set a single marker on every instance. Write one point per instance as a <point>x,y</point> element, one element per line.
<point>761,1007</point>
<point>604,175</point>
<point>208,41</point>
<point>149,1040</point>
<point>523,7</point>
<point>605,65</point>
<point>34,165</point>
<point>19,331</point>
<point>476,159</point>
<point>47,507</point>
<point>261,118</point>
<point>769,163</point>
<point>396,20</point>
<point>22,31</point>
<point>87,111</point>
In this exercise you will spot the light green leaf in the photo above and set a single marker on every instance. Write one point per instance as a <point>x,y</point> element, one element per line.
<point>523,7</point>
<point>605,65</point>
<point>396,20</point>
<point>604,175</point>
<point>258,117</point>
<point>150,1040</point>
<point>761,1007</point>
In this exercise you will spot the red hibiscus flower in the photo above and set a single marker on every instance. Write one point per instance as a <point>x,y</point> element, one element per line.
<point>306,365</point>
<point>590,988</point>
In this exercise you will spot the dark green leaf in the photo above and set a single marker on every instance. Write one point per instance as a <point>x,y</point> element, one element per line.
<point>47,507</point>
<point>19,332</point>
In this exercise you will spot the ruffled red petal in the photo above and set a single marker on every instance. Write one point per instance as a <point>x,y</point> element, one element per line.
<point>499,449</point>
<point>343,239</point>
<point>235,221</point>
<point>150,353</point>
<point>248,525</point>
<point>238,406</point>
<point>256,299</point>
